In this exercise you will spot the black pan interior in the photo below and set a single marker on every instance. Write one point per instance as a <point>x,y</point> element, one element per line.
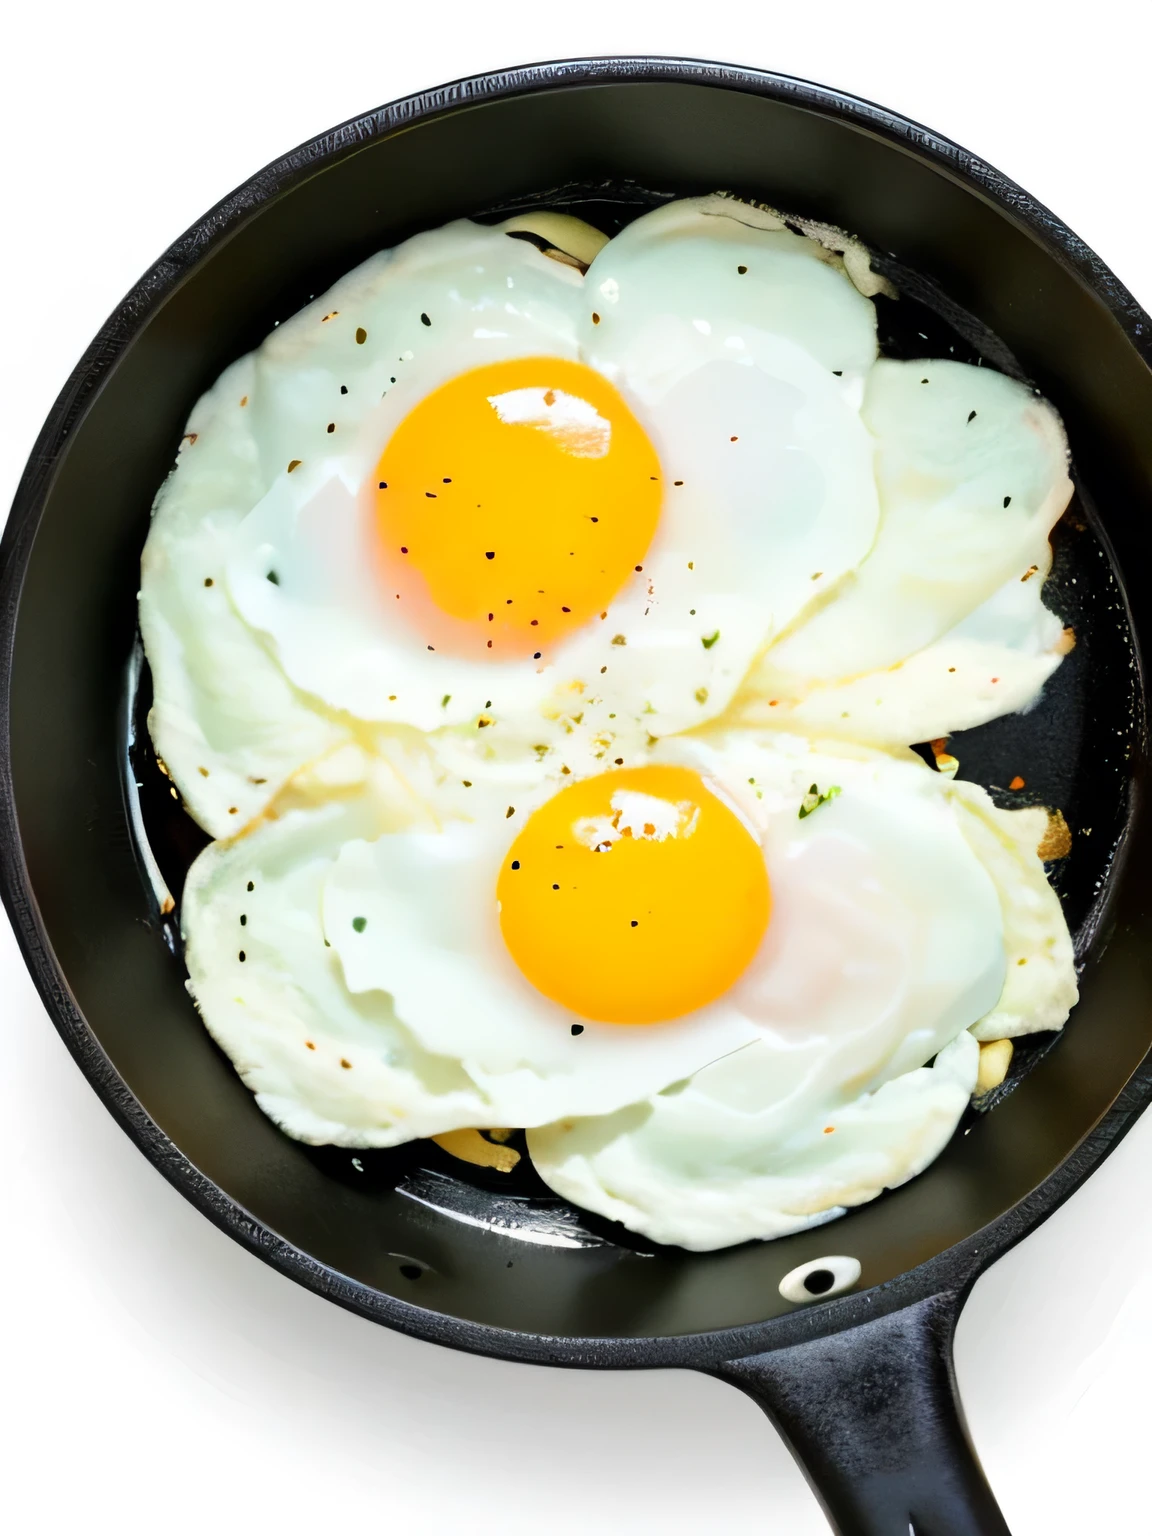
<point>413,1223</point>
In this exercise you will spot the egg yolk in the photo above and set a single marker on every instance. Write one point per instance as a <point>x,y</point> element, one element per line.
<point>512,504</point>
<point>634,897</point>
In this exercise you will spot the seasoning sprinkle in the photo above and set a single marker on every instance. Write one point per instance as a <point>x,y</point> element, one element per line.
<point>814,799</point>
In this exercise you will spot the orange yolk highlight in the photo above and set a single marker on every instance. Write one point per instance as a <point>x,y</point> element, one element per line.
<point>512,505</point>
<point>634,897</point>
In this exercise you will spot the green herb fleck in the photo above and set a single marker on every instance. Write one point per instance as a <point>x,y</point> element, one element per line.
<point>708,641</point>
<point>813,800</point>
<point>359,923</point>
<point>701,695</point>
<point>444,701</point>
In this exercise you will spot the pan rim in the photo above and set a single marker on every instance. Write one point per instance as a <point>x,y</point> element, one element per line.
<point>955,1269</point>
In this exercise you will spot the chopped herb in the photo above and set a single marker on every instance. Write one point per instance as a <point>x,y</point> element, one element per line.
<point>813,800</point>
<point>619,640</point>
<point>273,578</point>
<point>359,924</point>
<point>708,641</point>
<point>294,464</point>
<point>424,320</point>
<point>701,695</point>
<point>511,811</point>
<point>444,701</point>
<point>361,335</point>
<point>1007,501</point>
<point>971,415</point>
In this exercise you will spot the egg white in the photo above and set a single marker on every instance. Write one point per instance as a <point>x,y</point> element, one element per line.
<point>225,720</point>
<point>700,1168</point>
<point>943,626</point>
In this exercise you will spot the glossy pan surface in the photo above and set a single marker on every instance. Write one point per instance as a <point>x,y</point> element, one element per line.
<point>405,1238</point>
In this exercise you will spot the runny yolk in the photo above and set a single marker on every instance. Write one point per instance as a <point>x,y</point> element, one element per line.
<point>512,505</point>
<point>634,897</point>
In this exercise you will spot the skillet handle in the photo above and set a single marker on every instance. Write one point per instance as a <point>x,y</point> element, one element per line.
<point>873,1418</point>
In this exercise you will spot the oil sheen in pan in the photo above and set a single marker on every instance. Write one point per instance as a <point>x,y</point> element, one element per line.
<point>1071,750</point>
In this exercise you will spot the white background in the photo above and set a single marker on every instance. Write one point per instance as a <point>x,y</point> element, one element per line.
<point>157,1378</point>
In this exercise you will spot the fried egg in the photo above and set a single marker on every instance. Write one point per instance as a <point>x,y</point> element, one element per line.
<point>379,973</point>
<point>748,1148</point>
<point>447,502</point>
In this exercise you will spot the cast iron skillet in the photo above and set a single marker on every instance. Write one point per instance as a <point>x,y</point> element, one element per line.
<point>860,1385</point>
